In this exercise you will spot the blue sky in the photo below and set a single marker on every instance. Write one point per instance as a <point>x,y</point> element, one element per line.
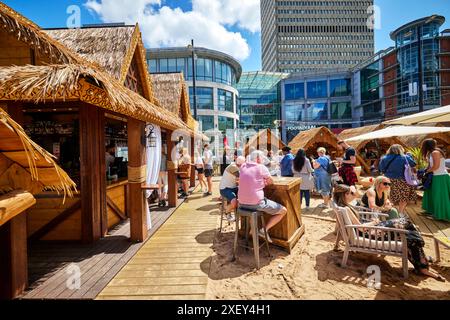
<point>234,30</point>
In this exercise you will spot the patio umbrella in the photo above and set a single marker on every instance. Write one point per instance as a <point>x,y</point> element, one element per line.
<point>431,116</point>
<point>398,131</point>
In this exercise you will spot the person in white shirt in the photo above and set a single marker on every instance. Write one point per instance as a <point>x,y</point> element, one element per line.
<point>229,183</point>
<point>200,168</point>
<point>208,162</point>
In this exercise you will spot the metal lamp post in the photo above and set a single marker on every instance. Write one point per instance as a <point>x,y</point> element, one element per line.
<point>194,87</point>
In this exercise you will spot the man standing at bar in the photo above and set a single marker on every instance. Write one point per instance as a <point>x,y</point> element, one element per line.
<point>347,165</point>
<point>286,163</point>
<point>253,178</point>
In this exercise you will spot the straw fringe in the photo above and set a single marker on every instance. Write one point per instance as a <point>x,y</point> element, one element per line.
<point>33,151</point>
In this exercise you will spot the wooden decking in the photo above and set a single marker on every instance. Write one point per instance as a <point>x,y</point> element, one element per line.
<point>175,262</point>
<point>98,263</point>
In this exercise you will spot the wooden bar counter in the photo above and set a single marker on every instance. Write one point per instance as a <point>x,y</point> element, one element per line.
<point>286,191</point>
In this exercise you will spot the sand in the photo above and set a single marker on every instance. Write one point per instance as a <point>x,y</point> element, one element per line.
<point>312,271</point>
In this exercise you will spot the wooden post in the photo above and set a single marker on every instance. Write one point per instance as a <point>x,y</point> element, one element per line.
<point>13,257</point>
<point>136,159</point>
<point>172,177</point>
<point>92,172</point>
<point>193,162</point>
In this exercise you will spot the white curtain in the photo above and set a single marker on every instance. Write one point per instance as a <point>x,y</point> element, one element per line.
<point>153,165</point>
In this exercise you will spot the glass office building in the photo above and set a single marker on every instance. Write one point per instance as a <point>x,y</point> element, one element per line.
<point>260,100</point>
<point>216,75</point>
<point>314,100</point>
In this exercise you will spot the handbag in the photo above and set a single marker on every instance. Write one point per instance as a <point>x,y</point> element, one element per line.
<point>331,167</point>
<point>410,177</point>
<point>427,180</point>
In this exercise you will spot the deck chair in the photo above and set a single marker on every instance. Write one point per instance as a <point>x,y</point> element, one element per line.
<point>394,244</point>
<point>365,214</point>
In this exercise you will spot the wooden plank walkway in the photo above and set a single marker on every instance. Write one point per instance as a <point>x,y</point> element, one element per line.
<point>98,263</point>
<point>175,262</point>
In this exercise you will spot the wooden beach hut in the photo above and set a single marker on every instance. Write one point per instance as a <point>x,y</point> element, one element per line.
<point>74,91</point>
<point>379,146</point>
<point>26,169</point>
<point>311,140</point>
<point>264,139</point>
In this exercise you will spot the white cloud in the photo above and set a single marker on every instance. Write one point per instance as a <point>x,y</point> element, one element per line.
<point>207,23</point>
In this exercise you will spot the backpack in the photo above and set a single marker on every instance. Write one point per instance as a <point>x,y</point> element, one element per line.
<point>331,167</point>
<point>410,177</point>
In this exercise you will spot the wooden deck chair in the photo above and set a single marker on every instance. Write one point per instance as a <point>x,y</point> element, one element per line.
<point>387,242</point>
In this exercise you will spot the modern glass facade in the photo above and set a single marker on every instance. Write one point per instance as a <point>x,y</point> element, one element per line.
<point>316,100</point>
<point>215,93</point>
<point>206,69</point>
<point>259,100</point>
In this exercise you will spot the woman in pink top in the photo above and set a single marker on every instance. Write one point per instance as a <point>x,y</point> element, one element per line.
<point>253,178</point>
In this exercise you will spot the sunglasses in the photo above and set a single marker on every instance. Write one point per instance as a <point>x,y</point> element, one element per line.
<point>387,184</point>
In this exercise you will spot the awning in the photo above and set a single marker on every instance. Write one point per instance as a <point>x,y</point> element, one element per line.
<point>431,116</point>
<point>399,131</point>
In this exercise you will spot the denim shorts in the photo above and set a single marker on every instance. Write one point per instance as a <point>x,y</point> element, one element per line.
<point>266,206</point>
<point>229,193</point>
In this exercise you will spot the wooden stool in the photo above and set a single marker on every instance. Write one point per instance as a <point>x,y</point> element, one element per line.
<point>253,217</point>
<point>223,211</point>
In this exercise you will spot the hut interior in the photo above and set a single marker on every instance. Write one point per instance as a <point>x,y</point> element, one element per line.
<point>264,140</point>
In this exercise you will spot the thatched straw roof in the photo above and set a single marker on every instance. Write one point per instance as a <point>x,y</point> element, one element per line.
<point>104,46</point>
<point>416,141</point>
<point>350,133</point>
<point>312,138</point>
<point>17,147</point>
<point>72,77</point>
<point>168,89</point>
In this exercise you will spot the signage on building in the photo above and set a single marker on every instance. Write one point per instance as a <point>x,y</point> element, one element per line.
<point>301,128</point>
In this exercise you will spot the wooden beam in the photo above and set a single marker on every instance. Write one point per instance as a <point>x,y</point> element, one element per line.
<point>55,222</point>
<point>136,159</point>
<point>13,258</point>
<point>115,208</point>
<point>92,172</point>
<point>172,177</point>
<point>14,203</point>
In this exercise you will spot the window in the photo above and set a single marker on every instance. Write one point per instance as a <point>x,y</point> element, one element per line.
<point>163,65</point>
<point>172,65</point>
<point>225,100</point>
<point>316,111</point>
<point>181,65</point>
<point>317,89</point>
<point>294,91</point>
<point>340,88</point>
<point>341,110</point>
<point>206,122</point>
<point>153,66</point>
<point>294,112</point>
<point>225,123</point>
<point>204,98</point>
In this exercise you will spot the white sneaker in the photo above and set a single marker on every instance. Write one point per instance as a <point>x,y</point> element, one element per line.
<point>262,234</point>
<point>231,217</point>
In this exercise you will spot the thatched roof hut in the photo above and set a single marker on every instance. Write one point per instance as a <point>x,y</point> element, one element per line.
<point>25,165</point>
<point>442,139</point>
<point>171,91</point>
<point>59,74</point>
<point>311,140</point>
<point>264,139</point>
<point>381,145</point>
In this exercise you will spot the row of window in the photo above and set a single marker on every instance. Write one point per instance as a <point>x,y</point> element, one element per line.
<point>321,12</point>
<point>323,54</point>
<point>325,3</point>
<point>324,29</point>
<point>326,46</point>
<point>317,89</point>
<point>343,37</point>
<point>427,31</point>
<point>316,62</point>
<point>323,20</point>
<point>318,111</point>
<point>205,99</point>
<point>205,69</point>
<point>207,123</point>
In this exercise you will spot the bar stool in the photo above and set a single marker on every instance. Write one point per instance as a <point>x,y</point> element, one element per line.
<point>223,211</point>
<point>250,215</point>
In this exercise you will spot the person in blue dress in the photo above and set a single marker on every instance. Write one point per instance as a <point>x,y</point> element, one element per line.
<point>323,178</point>
<point>286,163</point>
